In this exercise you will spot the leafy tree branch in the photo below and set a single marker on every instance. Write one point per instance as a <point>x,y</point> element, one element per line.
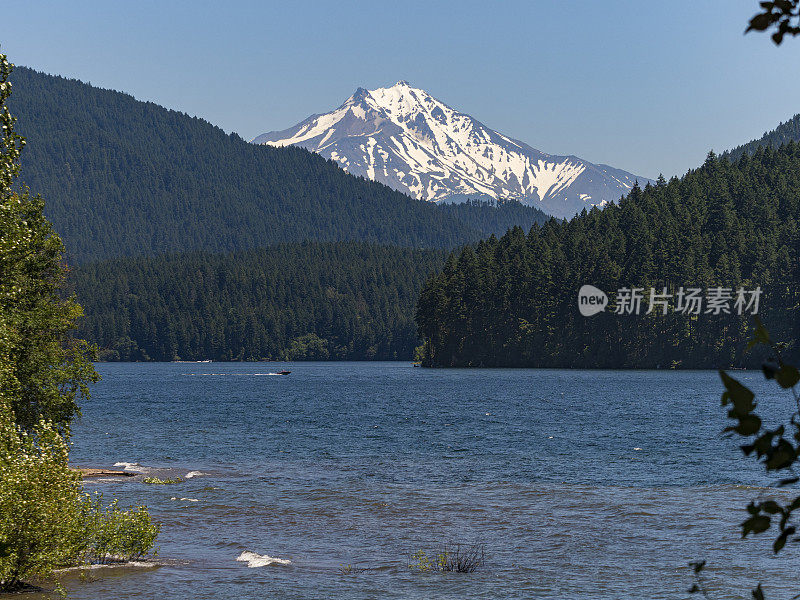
<point>781,17</point>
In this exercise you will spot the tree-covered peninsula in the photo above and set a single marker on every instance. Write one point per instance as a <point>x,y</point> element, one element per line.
<point>513,301</point>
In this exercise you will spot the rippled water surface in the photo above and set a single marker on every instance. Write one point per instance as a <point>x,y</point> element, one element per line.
<point>579,484</point>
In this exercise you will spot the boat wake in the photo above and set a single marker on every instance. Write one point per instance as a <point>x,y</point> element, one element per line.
<point>234,374</point>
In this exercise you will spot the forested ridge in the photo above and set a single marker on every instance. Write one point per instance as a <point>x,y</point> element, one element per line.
<point>782,134</point>
<point>315,301</point>
<point>513,301</point>
<point>493,216</point>
<point>129,178</point>
<point>208,232</point>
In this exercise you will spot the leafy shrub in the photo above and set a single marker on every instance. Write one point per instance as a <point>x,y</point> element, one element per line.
<point>46,522</point>
<point>38,496</point>
<point>109,534</point>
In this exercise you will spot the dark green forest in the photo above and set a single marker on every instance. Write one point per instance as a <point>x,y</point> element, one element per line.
<point>513,301</point>
<point>315,301</point>
<point>202,242</point>
<point>128,178</point>
<point>493,217</point>
<point>782,134</point>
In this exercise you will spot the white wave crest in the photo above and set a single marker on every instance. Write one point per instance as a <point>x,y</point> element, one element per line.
<point>128,466</point>
<point>261,560</point>
<point>191,474</point>
<point>132,564</point>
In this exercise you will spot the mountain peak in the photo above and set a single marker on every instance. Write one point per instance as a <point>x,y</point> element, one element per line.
<point>407,139</point>
<point>359,94</point>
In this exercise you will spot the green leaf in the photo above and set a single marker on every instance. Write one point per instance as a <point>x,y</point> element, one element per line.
<point>763,443</point>
<point>758,593</point>
<point>788,376</point>
<point>760,333</point>
<point>769,370</point>
<point>771,507</point>
<point>781,541</point>
<point>748,425</point>
<point>741,397</point>
<point>760,22</point>
<point>755,524</point>
<point>782,456</point>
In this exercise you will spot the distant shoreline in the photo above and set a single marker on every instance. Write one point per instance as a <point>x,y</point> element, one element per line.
<point>410,363</point>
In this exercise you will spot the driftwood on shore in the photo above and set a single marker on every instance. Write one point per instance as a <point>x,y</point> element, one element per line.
<point>102,473</point>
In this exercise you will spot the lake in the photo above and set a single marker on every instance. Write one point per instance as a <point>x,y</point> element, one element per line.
<point>577,484</point>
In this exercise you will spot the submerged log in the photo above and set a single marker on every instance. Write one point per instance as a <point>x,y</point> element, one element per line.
<point>85,472</point>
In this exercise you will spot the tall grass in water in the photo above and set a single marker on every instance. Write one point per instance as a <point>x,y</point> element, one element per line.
<point>450,558</point>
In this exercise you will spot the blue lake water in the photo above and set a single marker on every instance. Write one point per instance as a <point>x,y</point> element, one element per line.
<point>578,484</point>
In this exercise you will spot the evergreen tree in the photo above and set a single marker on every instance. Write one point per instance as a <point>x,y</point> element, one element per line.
<point>729,224</point>
<point>343,300</point>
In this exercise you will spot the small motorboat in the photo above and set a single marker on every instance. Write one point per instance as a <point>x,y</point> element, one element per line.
<point>283,372</point>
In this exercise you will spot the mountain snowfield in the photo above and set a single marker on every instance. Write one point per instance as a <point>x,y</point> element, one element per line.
<point>407,139</point>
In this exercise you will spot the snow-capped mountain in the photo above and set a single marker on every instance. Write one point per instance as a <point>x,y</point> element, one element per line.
<point>407,139</point>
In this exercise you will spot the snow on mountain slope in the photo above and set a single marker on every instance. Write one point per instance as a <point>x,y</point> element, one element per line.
<point>404,137</point>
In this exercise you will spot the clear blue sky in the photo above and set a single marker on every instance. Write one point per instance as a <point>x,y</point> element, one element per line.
<point>644,85</point>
